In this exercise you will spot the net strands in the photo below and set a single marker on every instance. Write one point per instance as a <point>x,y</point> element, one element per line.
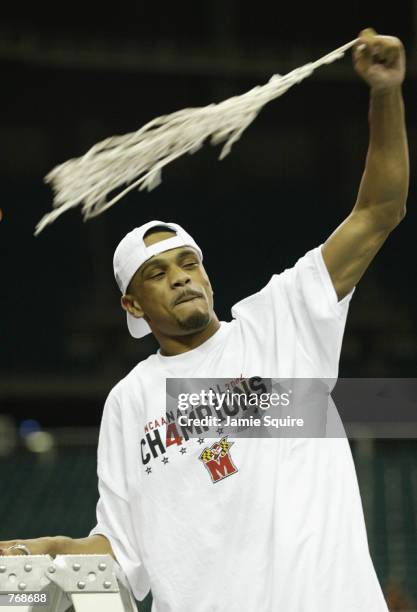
<point>136,159</point>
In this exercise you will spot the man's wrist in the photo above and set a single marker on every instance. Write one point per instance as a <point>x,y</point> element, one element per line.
<point>390,90</point>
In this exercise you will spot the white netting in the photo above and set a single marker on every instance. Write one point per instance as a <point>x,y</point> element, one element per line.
<point>137,159</point>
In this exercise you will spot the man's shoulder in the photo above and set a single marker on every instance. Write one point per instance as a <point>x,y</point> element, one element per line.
<point>251,304</point>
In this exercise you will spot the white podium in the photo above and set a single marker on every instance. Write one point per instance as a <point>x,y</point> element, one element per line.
<point>73,583</point>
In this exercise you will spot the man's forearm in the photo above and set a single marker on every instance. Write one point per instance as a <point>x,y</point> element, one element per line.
<point>95,544</point>
<point>384,186</point>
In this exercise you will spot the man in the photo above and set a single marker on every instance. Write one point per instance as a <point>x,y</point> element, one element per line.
<point>285,529</point>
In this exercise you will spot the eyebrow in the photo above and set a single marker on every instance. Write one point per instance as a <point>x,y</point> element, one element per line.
<point>162,263</point>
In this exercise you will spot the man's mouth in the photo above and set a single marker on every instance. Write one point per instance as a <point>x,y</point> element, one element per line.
<point>187,298</point>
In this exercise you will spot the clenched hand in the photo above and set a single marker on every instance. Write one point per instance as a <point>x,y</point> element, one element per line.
<point>379,60</point>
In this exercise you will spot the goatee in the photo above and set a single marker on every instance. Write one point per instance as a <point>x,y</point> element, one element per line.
<point>195,322</point>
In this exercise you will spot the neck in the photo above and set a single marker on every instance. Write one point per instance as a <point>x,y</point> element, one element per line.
<point>175,345</point>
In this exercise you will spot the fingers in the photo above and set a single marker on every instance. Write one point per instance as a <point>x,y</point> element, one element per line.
<point>372,48</point>
<point>5,546</point>
<point>367,33</point>
<point>365,39</point>
<point>362,50</point>
<point>36,546</point>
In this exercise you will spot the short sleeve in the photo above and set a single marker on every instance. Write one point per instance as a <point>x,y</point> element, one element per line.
<point>297,316</point>
<point>114,514</point>
<point>318,316</point>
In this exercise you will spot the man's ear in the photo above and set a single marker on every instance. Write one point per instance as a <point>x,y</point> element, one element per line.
<point>131,305</point>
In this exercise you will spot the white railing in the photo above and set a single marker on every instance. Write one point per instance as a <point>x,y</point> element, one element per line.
<point>79,583</point>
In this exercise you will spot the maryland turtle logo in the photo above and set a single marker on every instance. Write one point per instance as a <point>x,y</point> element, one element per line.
<point>218,461</point>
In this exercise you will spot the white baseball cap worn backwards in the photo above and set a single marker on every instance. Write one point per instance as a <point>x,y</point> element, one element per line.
<point>132,252</point>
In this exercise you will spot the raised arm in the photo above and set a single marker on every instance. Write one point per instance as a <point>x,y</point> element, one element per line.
<point>380,205</point>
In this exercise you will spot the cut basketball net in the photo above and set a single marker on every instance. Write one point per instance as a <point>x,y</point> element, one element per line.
<point>137,159</point>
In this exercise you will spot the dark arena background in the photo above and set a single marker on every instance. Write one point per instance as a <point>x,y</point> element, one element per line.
<point>76,74</point>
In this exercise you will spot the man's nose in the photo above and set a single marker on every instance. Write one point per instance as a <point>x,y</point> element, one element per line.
<point>179,277</point>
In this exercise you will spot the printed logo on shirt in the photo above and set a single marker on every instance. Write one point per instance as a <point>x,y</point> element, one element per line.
<point>218,461</point>
<point>165,440</point>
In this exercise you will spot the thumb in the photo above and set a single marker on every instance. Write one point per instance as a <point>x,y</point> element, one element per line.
<point>362,50</point>
<point>367,33</point>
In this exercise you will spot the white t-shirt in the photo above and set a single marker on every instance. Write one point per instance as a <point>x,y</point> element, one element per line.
<point>285,530</point>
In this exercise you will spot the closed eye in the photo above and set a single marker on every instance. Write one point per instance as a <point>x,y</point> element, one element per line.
<point>157,275</point>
